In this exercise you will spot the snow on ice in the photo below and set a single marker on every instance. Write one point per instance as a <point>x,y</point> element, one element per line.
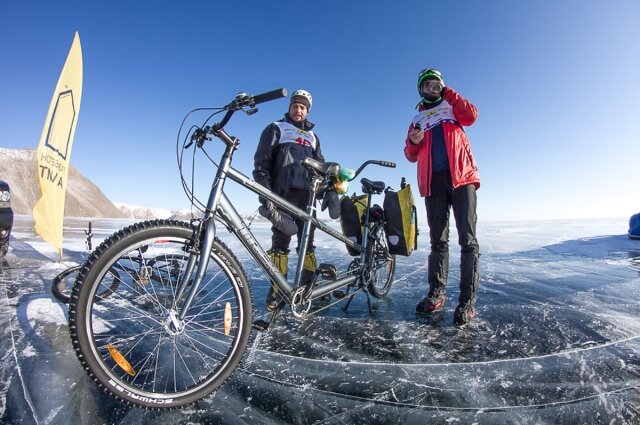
<point>556,339</point>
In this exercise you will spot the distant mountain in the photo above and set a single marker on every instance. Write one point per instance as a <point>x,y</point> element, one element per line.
<point>18,167</point>
<point>84,199</point>
<point>145,213</point>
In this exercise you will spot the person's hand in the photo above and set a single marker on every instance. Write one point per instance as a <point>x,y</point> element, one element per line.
<point>416,135</point>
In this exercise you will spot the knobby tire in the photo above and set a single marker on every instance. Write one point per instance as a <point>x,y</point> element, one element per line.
<point>163,368</point>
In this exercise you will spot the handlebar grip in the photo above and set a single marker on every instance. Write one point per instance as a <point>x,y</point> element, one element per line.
<point>271,95</point>
<point>386,164</point>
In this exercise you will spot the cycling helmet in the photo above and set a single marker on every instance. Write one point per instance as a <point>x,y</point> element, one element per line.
<point>302,96</point>
<point>426,73</point>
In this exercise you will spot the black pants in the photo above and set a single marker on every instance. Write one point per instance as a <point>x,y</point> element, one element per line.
<point>463,201</point>
<point>280,240</point>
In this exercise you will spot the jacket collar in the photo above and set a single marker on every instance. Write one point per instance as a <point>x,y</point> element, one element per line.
<point>424,105</point>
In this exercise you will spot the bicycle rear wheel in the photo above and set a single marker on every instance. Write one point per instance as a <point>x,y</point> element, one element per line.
<point>133,343</point>
<point>383,264</point>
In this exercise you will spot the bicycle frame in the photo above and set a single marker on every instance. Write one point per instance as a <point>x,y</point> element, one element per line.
<point>227,214</point>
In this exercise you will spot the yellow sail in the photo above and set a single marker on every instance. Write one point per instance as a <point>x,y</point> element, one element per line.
<point>54,150</point>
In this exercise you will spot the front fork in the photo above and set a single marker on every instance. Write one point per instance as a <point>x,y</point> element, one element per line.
<point>199,253</point>
<point>205,234</point>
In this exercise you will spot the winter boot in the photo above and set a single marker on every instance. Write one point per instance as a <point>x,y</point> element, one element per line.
<point>434,301</point>
<point>469,282</point>
<point>463,314</point>
<point>280,259</point>
<point>469,278</point>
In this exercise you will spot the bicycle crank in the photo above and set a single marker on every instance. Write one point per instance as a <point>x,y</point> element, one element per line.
<point>300,305</point>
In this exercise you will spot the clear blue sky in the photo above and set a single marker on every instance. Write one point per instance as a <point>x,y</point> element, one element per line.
<point>556,84</point>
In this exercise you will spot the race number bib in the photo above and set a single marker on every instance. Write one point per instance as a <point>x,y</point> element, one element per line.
<point>430,118</point>
<point>292,134</point>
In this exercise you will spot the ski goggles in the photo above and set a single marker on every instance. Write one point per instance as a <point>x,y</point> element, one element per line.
<point>430,71</point>
<point>426,73</point>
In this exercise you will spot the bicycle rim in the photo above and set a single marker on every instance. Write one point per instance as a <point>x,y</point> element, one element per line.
<point>133,342</point>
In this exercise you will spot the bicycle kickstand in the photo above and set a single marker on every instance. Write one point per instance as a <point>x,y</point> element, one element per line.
<point>346,307</point>
<point>264,326</point>
<point>369,303</point>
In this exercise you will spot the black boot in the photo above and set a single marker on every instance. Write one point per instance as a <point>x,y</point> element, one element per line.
<point>438,272</point>
<point>469,282</point>
<point>433,303</point>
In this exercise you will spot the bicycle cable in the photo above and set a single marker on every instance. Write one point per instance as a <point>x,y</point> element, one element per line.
<point>189,187</point>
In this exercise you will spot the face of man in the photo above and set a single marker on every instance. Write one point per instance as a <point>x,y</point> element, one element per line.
<point>298,112</point>
<point>431,89</point>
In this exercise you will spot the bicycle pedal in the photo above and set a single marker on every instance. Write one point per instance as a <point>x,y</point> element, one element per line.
<point>339,294</point>
<point>327,271</point>
<point>260,325</point>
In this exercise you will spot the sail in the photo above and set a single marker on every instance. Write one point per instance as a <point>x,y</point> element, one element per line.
<point>54,150</point>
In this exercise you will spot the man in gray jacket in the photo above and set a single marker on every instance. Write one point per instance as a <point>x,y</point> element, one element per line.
<point>283,146</point>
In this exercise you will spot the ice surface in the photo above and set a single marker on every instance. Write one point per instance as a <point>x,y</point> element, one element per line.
<point>556,340</point>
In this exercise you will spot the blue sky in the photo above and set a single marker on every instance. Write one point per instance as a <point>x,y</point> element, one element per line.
<point>556,84</point>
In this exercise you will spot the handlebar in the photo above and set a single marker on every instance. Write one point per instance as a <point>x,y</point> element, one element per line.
<point>242,100</point>
<point>270,95</point>
<point>376,162</point>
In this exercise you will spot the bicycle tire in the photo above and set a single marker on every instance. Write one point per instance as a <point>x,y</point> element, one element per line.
<point>163,368</point>
<point>62,285</point>
<point>383,267</point>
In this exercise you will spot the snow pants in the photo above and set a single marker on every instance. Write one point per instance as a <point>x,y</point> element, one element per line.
<point>463,202</point>
<point>280,240</point>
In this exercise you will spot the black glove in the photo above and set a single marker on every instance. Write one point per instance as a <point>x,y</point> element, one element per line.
<point>332,201</point>
<point>280,219</point>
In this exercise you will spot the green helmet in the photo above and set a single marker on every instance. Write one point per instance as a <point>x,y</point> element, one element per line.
<point>426,73</point>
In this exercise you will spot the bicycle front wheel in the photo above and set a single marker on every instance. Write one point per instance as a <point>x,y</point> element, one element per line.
<point>382,264</point>
<point>133,343</point>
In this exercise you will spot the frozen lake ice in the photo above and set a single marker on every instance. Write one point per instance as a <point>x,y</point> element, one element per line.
<point>556,339</point>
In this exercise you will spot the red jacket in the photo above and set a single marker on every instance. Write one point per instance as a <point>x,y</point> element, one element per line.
<point>461,163</point>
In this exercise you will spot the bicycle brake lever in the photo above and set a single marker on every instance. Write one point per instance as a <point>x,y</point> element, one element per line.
<point>203,136</point>
<point>199,136</point>
<point>241,100</point>
<point>193,139</point>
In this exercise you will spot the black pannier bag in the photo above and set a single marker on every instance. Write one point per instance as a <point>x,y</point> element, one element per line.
<point>352,209</point>
<point>401,226</point>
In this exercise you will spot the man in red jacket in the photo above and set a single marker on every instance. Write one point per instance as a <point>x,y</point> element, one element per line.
<point>447,177</point>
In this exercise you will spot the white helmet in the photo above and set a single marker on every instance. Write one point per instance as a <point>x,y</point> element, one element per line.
<point>302,96</point>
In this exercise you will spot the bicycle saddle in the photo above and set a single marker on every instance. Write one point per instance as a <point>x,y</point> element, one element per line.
<point>326,169</point>
<point>371,187</point>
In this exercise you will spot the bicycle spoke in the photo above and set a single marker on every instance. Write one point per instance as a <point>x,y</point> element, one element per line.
<point>132,330</point>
